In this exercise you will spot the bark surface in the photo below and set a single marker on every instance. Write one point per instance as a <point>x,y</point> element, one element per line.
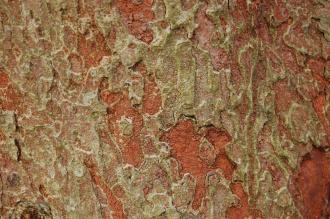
<point>164,109</point>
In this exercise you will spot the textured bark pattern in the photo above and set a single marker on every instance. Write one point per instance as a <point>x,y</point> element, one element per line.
<point>164,109</point>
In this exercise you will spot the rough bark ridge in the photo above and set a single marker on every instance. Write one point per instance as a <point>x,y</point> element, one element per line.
<point>164,109</point>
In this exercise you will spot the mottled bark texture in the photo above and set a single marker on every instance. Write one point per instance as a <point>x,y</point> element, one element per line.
<point>176,109</point>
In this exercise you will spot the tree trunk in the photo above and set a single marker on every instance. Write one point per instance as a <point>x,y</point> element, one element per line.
<point>164,109</point>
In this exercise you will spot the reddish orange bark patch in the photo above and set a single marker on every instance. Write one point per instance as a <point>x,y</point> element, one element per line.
<point>184,142</point>
<point>4,80</point>
<point>92,50</point>
<point>114,204</point>
<point>110,97</point>
<point>311,184</point>
<point>11,99</point>
<point>239,212</point>
<point>136,15</point>
<point>244,210</point>
<point>281,13</point>
<point>317,67</point>
<point>219,140</point>
<point>120,106</point>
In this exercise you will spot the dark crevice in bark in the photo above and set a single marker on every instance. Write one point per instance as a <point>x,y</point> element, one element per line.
<point>19,150</point>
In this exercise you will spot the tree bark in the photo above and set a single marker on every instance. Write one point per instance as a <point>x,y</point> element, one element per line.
<point>164,109</point>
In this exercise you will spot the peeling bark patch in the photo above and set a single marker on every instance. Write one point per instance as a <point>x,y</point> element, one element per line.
<point>92,50</point>
<point>244,210</point>
<point>220,139</point>
<point>136,15</point>
<point>4,80</point>
<point>311,184</point>
<point>184,142</point>
<point>119,107</point>
<point>115,206</point>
